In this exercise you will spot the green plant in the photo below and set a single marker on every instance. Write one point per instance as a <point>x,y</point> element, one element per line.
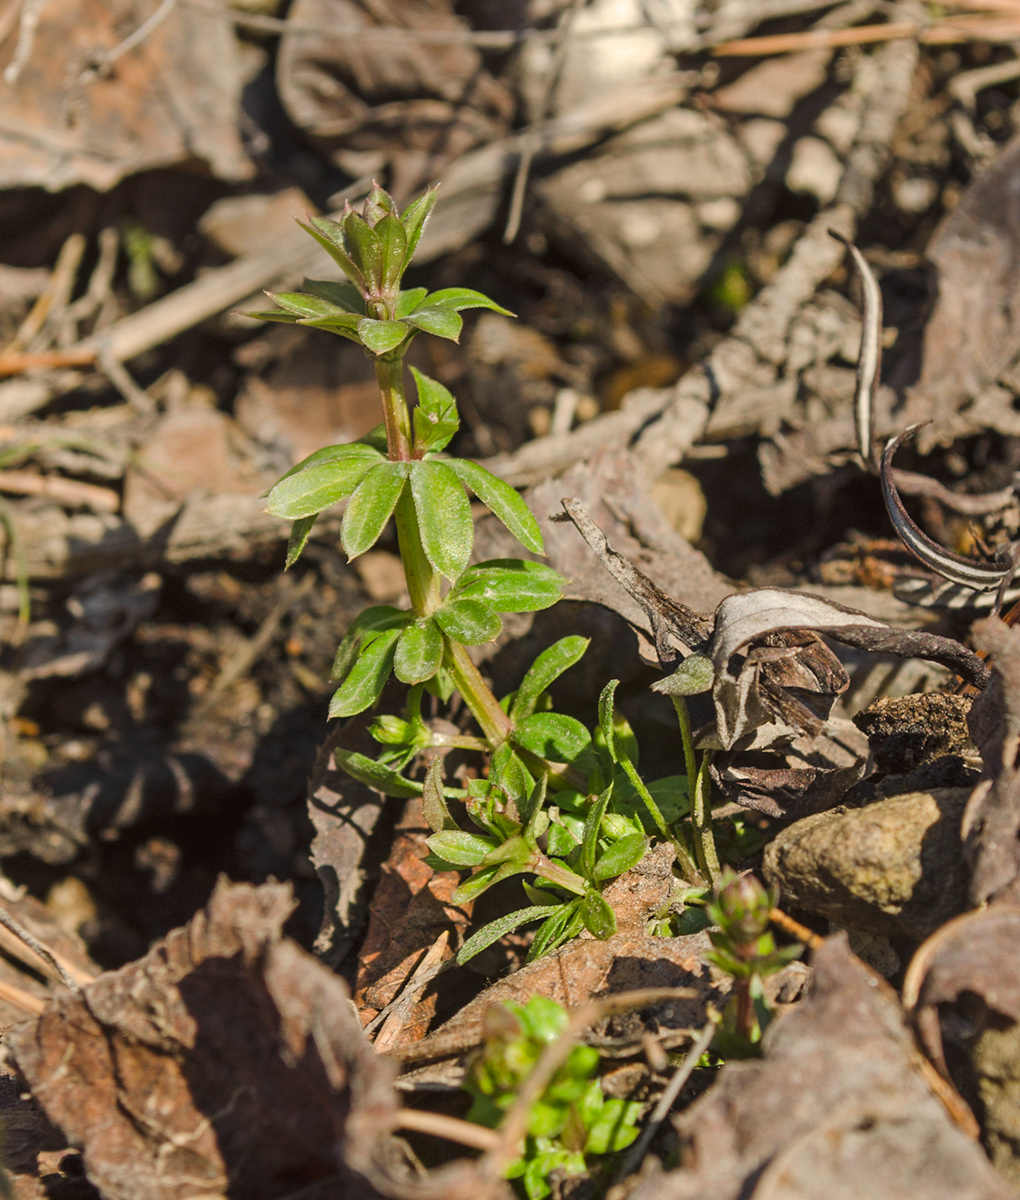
<point>557,803</point>
<point>572,1122</point>
<point>741,908</point>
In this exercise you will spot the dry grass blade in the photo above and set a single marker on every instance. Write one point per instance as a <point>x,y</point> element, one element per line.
<point>869,357</point>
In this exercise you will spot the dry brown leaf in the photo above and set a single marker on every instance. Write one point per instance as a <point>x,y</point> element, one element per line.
<point>173,97</point>
<point>225,1060</point>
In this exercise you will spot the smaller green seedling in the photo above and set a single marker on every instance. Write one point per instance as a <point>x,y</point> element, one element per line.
<point>744,948</point>
<point>572,1123</point>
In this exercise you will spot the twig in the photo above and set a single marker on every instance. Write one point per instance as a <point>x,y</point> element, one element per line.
<point>121,378</point>
<point>32,942</point>
<point>56,296</point>
<point>666,1101</point>
<point>451,1128</point>
<point>16,947</point>
<point>16,363</point>
<point>795,929</point>
<point>427,969</point>
<point>64,491</point>
<point>530,144</point>
<point>29,22</point>
<point>22,999</point>
<point>869,356</point>
<point>911,484</point>
<point>421,979</point>
<point>990,27</point>
<point>104,58</point>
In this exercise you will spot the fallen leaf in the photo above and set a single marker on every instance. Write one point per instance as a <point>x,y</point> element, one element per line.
<point>225,1060</point>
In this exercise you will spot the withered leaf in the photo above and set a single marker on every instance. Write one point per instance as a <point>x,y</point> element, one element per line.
<point>837,1107</point>
<point>227,1060</point>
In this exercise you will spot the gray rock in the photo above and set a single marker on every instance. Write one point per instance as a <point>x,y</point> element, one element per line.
<point>894,868</point>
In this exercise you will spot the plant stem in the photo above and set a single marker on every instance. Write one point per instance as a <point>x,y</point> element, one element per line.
<point>698,791</point>
<point>476,693</point>
<point>390,374</point>
<point>683,853</point>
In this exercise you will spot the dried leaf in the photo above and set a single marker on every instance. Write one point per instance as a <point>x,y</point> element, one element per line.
<point>227,1059</point>
<point>836,1108</point>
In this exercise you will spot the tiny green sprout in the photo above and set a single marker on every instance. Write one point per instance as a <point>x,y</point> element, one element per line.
<point>572,1123</point>
<point>745,949</point>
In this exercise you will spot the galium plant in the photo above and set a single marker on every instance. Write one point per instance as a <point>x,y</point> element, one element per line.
<point>572,1123</point>
<point>744,947</point>
<point>557,804</point>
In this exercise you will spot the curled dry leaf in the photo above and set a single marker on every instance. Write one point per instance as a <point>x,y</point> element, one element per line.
<point>838,1107</point>
<point>964,988</point>
<point>227,1060</point>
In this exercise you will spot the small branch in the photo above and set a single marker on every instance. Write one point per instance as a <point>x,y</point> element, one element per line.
<point>795,929</point>
<point>13,925</point>
<point>450,1128</point>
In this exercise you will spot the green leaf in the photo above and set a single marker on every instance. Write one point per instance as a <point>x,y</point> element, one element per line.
<point>299,533</point>
<point>435,416</point>
<point>330,237</point>
<point>368,622</point>
<point>393,248</point>
<point>419,652</point>
<point>342,453</point>
<point>694,675</point>
<point>507,772</point>
<point>440,322</point>
<point>592,827</point>
<point>276,314</point>
<point>377,204</point>
<point>540,897</point>
<point>433,802</point>
<point>381,336</point>
<point>469,622</point>
<point>530,810</point>
<point>599,919</point>
<point>463,849</point>
<point>615,1128</point>
<point>414,218</point>
<point>409,300</point>
<point>669,794</point>
<point>374,775</point>
<point>308,307</point>
<point>480,882</point>
<point>553,736</point>
<point>544,671</point>
<point>458,298</point>
<point>558,928</point>
<point>620,857</point>
<point>606,718</point>
<point>371,506</point>
<point>444,516</point>
<point>511,585</point>
<point>502,501</point>
<point>367,678</point>
<point>343,295</point>
<point>306,493</point>
<point>364,246</point>
<point>492,932</point>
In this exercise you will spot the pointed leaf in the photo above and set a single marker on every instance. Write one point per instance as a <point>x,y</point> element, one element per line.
<point>336,454</point>
<point>367,678</point>
<point>419,652</point>
<point>414,218</point>
<point>592,828</point>
<point>544,671</point>
<point>598,917</point>
<point>496,929</point>
<point>375,775</point>
<point>444,516</point>
<point>343,295</point>
<point>550,934</point>
<point>364,247</point>
<point>330,237</point>
<point>377,204</point>
<point>553,736</point>
<point>371,506</point>
<point>307,307</point>
<point>433,802</point>
<point>511,585</point>
<point>440,322</point>
<point>462,849</point>
<point>472,888</point>
<point>308,492</point>
<point>458,298</point>
<point>409,300</point>
<point>285,318</point>
<point>381,336</point>
<point>298,539</point>
<point>606,718</point>
<point>435,416</point>
<point>621,856</point>
<point>367,623</point>
<point>468,621</point>
<point>392,249</point>
<point>502,501</point>
<point>531,810</point>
